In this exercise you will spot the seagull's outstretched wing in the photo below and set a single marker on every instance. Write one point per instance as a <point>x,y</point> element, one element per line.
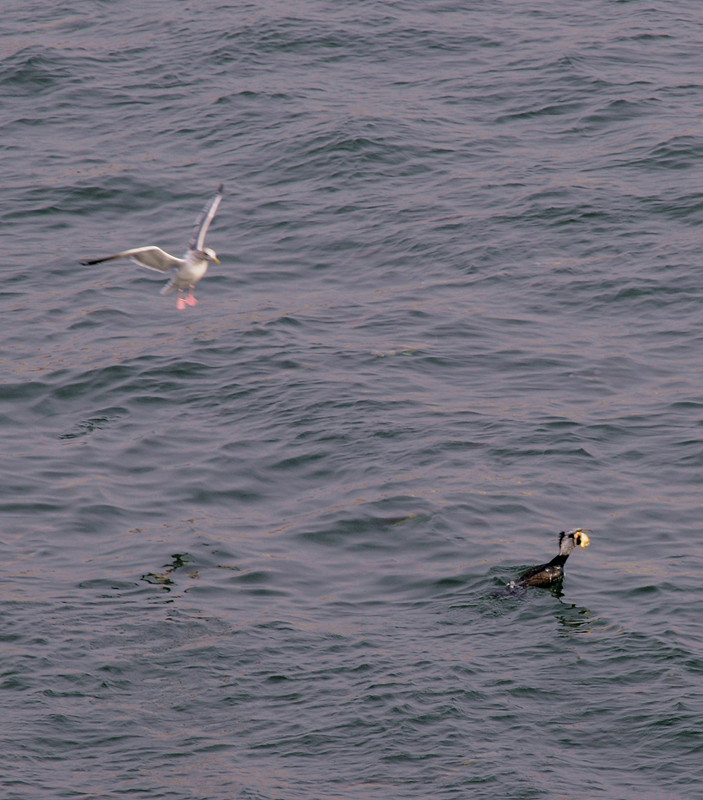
<point>152,257</point>
<point>202,224</point>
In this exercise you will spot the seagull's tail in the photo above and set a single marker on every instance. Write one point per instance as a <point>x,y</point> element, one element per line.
<point>170,286</point>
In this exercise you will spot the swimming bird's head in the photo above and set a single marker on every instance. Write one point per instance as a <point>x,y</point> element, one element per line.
<point>575,538</point>
<point>211,255</point>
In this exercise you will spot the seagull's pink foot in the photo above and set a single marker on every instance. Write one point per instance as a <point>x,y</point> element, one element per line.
<point>190,299</point>
<point>181,304</point>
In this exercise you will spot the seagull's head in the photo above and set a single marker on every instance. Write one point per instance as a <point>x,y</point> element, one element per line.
<point>211,255</point>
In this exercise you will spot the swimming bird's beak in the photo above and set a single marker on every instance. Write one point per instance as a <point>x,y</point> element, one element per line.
<point>584,540</point>
<point>216,259</point>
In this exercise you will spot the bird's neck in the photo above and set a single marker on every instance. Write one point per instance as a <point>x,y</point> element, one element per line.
<point>559,561</point>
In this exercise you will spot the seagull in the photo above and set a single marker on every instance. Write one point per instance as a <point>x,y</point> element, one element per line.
<point>186,271</point>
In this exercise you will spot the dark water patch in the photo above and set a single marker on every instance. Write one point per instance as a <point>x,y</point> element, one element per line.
<point>144,380</point>
<point>100,318</point>
<point>102,419</point>
<point>34,70</point>
<point>679,152</point>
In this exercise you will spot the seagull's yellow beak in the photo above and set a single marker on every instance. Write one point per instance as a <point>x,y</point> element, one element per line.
<point>216,259</point>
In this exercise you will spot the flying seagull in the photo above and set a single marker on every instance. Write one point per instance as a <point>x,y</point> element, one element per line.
<point>186,271</point>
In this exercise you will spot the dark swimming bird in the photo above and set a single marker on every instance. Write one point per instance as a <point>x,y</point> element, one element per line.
<point>546,575</point>
<point>185,272</point>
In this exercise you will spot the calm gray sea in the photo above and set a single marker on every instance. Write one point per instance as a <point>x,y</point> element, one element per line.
<point>251,549</point>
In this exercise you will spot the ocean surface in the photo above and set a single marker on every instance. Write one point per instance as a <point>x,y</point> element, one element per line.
<point>255,549</point>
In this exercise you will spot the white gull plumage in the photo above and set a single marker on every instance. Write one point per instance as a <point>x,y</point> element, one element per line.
<point>186,271</point>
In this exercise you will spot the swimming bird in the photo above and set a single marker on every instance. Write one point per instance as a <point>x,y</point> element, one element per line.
<point>546,575</point>
<point>186,271</point>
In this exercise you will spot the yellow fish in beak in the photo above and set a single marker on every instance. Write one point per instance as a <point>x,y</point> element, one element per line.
<point>582,539</point>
